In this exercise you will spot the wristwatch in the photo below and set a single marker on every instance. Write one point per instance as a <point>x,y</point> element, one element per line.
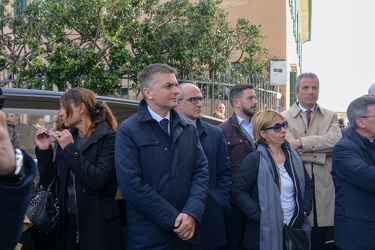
<point>19,172</point>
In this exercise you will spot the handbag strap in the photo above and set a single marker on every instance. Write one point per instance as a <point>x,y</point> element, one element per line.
<point>53,182</point>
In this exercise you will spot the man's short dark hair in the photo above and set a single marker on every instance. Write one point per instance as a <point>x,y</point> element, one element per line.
<point>358,108</point>
<point>146,76</point>
<point>305,75</point>
<point>237,91</point>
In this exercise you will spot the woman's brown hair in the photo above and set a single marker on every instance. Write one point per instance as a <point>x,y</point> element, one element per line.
<point>98,112</point>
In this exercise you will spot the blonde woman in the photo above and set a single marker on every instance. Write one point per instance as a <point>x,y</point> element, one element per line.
<point>272,187</point>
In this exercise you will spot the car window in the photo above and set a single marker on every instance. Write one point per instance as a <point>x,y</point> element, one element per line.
<point>26,124</point>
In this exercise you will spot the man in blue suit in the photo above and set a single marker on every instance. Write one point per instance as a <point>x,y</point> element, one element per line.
<point>161,168</point>
<point>212,227</point>
<point>353,173</point>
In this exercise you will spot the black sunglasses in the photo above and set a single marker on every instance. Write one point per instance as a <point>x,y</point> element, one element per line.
<point>277,127</point>
<point>193,100</point>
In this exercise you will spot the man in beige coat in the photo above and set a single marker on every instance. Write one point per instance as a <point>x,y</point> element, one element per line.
<point>313,131</point>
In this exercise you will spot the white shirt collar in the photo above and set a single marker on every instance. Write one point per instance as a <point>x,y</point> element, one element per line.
<point>304,109</point>
<point>157,117</point>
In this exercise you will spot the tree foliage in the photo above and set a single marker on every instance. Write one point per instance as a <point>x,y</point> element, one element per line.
<point>93,43</point>
<point>253,55</point>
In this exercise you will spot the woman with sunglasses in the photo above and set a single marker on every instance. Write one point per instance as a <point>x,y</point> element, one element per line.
<point>272,187</point>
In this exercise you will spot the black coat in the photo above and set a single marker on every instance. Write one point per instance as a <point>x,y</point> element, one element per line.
<point>215,148</point>
<point>95,181</point>
<point>245,195</point>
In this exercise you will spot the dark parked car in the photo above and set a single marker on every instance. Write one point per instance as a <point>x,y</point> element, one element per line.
<point>43,105</point>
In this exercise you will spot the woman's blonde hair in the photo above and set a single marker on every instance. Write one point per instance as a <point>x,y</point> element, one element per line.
<point>262,120</point>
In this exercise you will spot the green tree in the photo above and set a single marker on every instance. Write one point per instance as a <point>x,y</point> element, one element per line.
<point>64,43</point>
<point>253,55</point>
<point>92,43</point>
<point>193,37</point>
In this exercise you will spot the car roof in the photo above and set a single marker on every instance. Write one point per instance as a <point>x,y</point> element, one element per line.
<point>27,101</point>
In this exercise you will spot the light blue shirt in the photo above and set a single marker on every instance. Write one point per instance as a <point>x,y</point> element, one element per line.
<point>303,109</point>
<point>245,126</point>
<point>158,118</point>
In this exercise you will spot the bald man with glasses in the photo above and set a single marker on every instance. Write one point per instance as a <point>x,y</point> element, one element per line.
<point>212,227</point>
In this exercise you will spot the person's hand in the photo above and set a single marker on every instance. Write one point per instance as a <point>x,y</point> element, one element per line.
<point>294,143</point>
<point>7,158</point>
<point>42,139</point>
<point>64,137</point>
<point>184,226</point>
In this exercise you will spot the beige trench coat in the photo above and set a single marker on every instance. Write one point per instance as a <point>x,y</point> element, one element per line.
<point>316,152</point>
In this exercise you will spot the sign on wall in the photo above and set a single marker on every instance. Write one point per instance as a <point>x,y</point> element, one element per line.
<point>278,72</point>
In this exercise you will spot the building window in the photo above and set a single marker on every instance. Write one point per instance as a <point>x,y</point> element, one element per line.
<point>293,78</point>
<point>19,6</point>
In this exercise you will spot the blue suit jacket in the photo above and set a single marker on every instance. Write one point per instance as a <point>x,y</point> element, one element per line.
<point>160,176</point>
<point>353,173</point>
<point>212,227</point>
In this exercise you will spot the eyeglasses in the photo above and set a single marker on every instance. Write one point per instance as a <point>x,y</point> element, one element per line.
<point>367,116</point>
<point>277,127</point>
<point>193,100</point>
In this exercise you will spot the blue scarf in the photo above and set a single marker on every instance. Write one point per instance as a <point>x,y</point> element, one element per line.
<point>271,219</point>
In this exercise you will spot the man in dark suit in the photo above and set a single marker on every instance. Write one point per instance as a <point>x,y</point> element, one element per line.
<point>212,227</point>
<point>161,168</point>
<point>353,175</point>
<point>17,173</point>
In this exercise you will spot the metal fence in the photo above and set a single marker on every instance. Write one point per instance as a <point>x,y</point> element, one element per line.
<point>269,96</point>
<point>214,90</point>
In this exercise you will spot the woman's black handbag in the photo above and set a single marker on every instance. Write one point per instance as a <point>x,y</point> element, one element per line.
<point>295,239</point>
<point>44,209</point>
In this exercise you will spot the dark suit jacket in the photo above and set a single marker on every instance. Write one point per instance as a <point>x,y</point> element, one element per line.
<point>160,176</point>
<point>353,173</point>
<point>215,147</point>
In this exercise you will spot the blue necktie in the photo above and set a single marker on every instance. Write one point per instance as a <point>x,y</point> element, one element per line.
<point>164,124</point>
